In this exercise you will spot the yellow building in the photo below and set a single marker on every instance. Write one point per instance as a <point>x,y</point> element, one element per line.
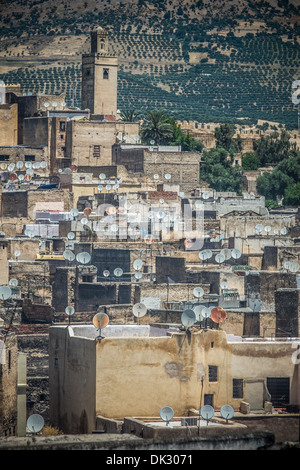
<point>135,370</point>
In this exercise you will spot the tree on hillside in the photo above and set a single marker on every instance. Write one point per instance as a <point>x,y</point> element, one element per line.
<point>273,185</point>
<point>186,141</point>
<point>156,127</point>
<point>274,148</point>
<point>218,172</point>
<point>250,161</point>
<point>224,138</point>
<point>129,115</point>
<point>292,195</point>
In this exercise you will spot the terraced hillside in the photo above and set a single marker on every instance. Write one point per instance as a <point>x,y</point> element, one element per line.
<point>227,61</point>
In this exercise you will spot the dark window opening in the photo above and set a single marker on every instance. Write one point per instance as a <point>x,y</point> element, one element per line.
<point>87,278</point>
<point>105,73</point>
<point>9,360</point>
<point>96,151</point>
<point>212,373</point>
<point>208,399</point>
<point>29,158</point>
<point>237,388</point>
<point>279,389</point>
<point>62,126</point>
<point>4,158</point>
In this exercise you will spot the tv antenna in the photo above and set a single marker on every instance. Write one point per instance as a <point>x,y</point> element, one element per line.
<point>166,413</point>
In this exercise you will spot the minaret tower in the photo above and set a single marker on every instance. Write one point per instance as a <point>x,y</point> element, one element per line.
<point>99,77</point>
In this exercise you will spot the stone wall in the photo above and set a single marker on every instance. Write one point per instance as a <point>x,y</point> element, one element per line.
<point>8,125</point>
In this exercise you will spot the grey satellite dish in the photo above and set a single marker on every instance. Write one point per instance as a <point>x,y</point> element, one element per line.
<point>84,221</point>
<point>166,413</point>
<point>198,312</point>
<point>207,412</point>
<point>156,177</point>
<point>43,164</point>
<point>17,253</point>
<point>227,412</point>
<point>46,104</point>
<point>67,171</point>
<point>202,255</point>
<point>294,267</point>
<point>35,423</point>
<point>83,257</point>
<point>37,165</point>
<point>5,292</point>
<point>19,164</point>
<point>13,282</point>
<point>208,254</point>
<point>28,165</point>
<point>29,171</point>
<point>226,252</point>
<point>220,258</point>
<point>206,312</point>
<point>21,177</point>
<point>268,228</point>
<point>188,318</point>
<point>259,228</point>
<point>11,167</point>
<point>102,176</point>
<point>276,231</point>
<point>198,292</point>
<point>69,255</point>
<point>118,272</point>
<point>106,273</point>
<point>236,254</point>
<point>287,265</point>
<point>138,276</point>
<point>139,310</point>
<point>69,310</point>
<point>224,285</point>
<point>108,187</point>
<point>71,235</point>
<point>74,212</point>
<point>205,195</point>
<point>100,187</point>
<point>168,176</point>
<point>283,231</point>
<point>138,264</point>
<point>161,201</point>
<point>54,104</point>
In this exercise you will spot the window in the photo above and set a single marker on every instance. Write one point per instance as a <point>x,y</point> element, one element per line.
<point>4,158</point>
<point>105,74</point>
<point>212,373</point>
<point>29,158</point>
<point>9,359</point>
<point>63,149</point>
<point>96,151</point>
<point>208,399</point>
<point>62,126</point>
<point>87,278</point>
<point>237,388</point>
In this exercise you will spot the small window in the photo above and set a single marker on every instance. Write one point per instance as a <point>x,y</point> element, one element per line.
<point>87,278</point>
<point>212,373</point>
<point>63,149</point>
<point>62,126</point>
<point>9,359</point>
<point>237,388</point>
<point>56,362</point>
<point>4,158</point>
<point>96,151</point>
<point>62,136</point>
<point>105,74</point>
<point>29,158</point>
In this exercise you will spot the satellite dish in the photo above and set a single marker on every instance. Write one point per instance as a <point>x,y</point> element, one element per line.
<point>156,177</point>
<point>166,413</point>
<point>54,104</point>
<point>205,195</point>
<point>220,258</point>
<point>236,254</point>
<point>206,312</point>
<point>218,314</point>
<point>207,412</point>
<point>198,312</point>
<point>138,276</point>
<point>188,318</point>
<point>294,267</point>
<point>118,272</point>
<point>64,104</point>
<point>70,310</point>
<point>19,164</point>
<point>114,228</point>
<point>21,177</point>
<point>17,253</point>
<point>227,412</point>
<point>139,310</point>
<point>276,231</point>
<point>87,211</point>
<point>69,255</point>
<point>198,292</point>
<point>46,104</point>
<point>43,164</point>
<point>83,257</point>
<point>259,228</point>
<point>74,212</point>
<point>100,187</point>
<point>168,176</point>
<point>13,282</point>
<point>37,165</point>
<point>84,221</point>
<point>108,187</point>
<point>283,231</point>
<point>226,252</point>
<point>138,264</point>
<point>287,265</point>
<point>268,228</point>
<point>106,273</point>
<point>11,167</point>
<point>203,255</point>
<point>35,423</point>
<point>28,165</point>
<point>5,292</point>
<point>71,235</point>
<point>161,201</point>
<point>102,176</point>
<point>224,285</point>
<point>29,172</point>
<point>100,320</point>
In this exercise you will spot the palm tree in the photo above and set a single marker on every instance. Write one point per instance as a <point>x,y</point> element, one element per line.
<point>129,115</point>
<point>156,127</point>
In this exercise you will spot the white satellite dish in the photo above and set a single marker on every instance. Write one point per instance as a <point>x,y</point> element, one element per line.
<point>268,228</point>
<point>227,412</point>
<point>69,255</point>
<point>74,212</point>
<point>106,273</point>
<point>108,187</point>
<point>29,171</point>
<point>161,201</point>
<point>35,423</point>
<point>224,285</point>
<point>19,164</point>
<point>236,254</point>
<point>69,310</point>
<point>17,253</point>
<point>168,176</point>
<point>198,292</point>
<point>64,104</point>
<point>206,312</point>
<point>13,282</point>
<point>287,265</point>
<point>36,165</point>
<point>156,176</point>
<point>198,312</point>
<point>11,167</point>
<point>276,231</point>
<point>220,258</point>
<point>28,165</point>
<point>43,164</point>
<point>118,272</point>
<point>205,195</point>
<point>54,104</point>
<point>83,257</point>
<point>5,292</point>
<point>294,267</point>
<point>102,176</point>
<point>71,235</point>
<point>137,264</point>
<point>100,187</point>
<point>138,276</point>
<point>166,413</point>
<point>188,318</point>
<point>284,231</point>
<point>226,252</point>
<point>46,104</point>
<point>139,310</point>
<point>84,221</point>
<point>207,412</point>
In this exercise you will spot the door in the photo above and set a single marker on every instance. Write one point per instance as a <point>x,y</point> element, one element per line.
<point>279,388</point>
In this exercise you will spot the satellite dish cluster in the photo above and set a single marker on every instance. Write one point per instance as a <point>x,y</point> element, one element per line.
<point>207,412</point>
<point>260,229</point>
<point>21,171</point>
<point>221,257</point>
